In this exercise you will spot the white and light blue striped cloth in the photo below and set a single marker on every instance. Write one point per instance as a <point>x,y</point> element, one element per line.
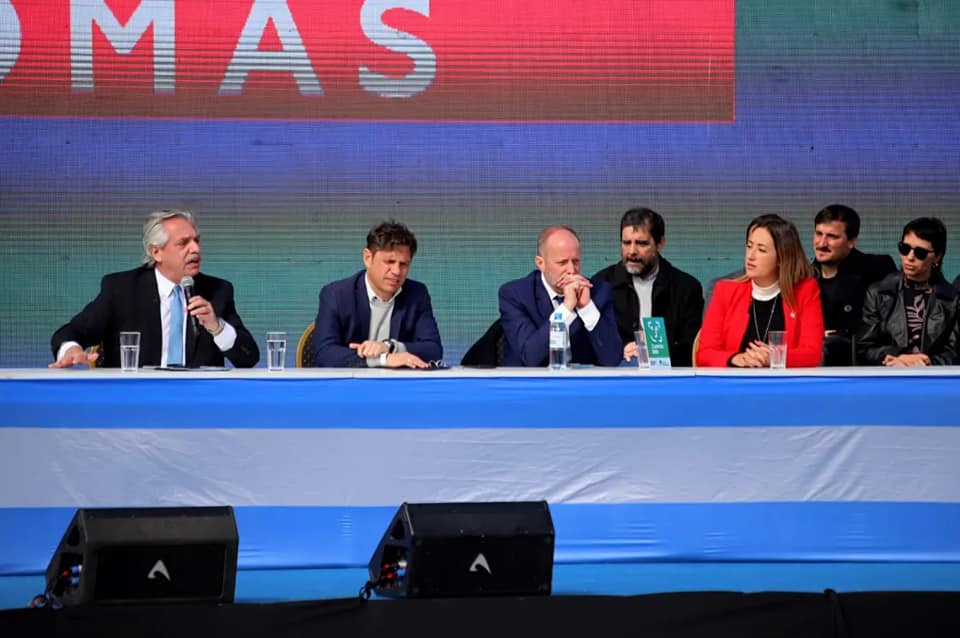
<point>677,467</point>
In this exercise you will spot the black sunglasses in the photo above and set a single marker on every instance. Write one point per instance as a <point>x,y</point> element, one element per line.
<point>920,253</point>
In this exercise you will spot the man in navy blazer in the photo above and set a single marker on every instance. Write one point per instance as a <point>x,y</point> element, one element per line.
<point>141,300</point>
<point>526,305</point>
<point>378,317</point>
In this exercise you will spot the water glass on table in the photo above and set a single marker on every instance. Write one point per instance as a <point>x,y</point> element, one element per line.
<point>129,351</point>
<point>276,351</point>
<point>777,340</point>
<point>643,356</point>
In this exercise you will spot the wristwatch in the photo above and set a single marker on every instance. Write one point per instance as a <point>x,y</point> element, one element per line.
<point>391,345</point>
<point>219,329</point>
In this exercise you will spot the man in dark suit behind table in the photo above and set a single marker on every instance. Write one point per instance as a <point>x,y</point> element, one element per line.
<point>526,305</point>
<point>378,317</point>
<point>150,300</point>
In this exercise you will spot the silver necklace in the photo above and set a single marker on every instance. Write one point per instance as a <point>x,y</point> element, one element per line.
<point>756,326</point>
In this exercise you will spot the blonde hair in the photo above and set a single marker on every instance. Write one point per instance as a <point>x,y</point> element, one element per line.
<point>792,264</point>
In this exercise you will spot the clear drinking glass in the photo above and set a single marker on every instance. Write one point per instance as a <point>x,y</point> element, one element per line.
<point>276,351</point>
<point>643,357</point>
<point>129,351</point>
<point>777,341</point>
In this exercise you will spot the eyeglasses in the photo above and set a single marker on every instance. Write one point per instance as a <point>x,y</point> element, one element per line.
<point>919,253</point>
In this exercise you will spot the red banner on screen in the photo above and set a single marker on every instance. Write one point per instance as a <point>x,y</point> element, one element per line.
<point>430,60</point>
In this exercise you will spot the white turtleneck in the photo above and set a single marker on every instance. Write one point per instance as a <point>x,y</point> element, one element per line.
<point>766,293</point>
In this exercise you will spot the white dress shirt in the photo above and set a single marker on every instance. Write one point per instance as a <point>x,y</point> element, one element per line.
<point>589,314</point>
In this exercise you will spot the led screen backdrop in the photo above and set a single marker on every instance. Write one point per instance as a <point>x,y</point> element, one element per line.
<point>290,127</point>
<point>449,60</point>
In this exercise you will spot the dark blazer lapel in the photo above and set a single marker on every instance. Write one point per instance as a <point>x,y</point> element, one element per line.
<point>151,341</point>
<point>361,309</point>
<point>543,303</point>
<point>399,314</point>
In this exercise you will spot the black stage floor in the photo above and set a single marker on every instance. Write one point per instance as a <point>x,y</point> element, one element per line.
<point>679,615</point>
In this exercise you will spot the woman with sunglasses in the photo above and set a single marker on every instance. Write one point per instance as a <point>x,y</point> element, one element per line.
<point>910,317</point>
<point>778,292</point>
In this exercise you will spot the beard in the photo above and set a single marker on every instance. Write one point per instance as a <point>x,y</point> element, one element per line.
<point>827,259</point>
<point>638,268</point>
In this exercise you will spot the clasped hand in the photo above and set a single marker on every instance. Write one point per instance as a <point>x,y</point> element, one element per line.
<point>914,359</point>
<point>576,290</point>
<point>757,355</point>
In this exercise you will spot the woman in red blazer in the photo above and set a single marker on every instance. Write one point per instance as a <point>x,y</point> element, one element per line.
<point>778,292</point>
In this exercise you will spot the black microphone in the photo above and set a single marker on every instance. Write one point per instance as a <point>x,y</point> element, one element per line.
<point>187,284</point>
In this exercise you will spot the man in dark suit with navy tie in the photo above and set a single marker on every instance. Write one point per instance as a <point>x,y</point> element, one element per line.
<point>378,317</point>
<point>526,305</point>
<point>150,300</point>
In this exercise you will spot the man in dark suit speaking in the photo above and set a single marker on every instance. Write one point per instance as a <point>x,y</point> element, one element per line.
<point>587,307</point>
<point>645,284</point>
<point>378,317</point>
<point>151,300</point>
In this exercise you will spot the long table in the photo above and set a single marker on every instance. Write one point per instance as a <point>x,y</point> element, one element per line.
<point>692,465</point>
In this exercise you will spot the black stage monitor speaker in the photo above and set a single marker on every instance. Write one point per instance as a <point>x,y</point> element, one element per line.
<point>465,549</point>
<point>174,554</point>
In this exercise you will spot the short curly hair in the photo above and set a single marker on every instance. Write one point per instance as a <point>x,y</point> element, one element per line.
<point>390,235</point>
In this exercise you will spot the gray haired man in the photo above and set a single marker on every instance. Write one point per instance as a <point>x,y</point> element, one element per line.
<point>202,329</point>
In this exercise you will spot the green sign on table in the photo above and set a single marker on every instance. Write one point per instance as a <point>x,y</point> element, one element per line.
<point>655,334</point>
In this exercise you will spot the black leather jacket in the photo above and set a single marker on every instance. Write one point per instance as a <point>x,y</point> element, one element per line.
<point>884,327</point>
<point>843,302</point>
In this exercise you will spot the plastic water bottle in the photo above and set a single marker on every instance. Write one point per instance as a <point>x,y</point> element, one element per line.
<point>559,341</point>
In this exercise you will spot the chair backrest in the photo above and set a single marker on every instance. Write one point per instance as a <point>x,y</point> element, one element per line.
<point>696,346</point>
<point>95,350</point>
<point>487,351</point>
<point>839,350</point>
<point>306,355</point>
